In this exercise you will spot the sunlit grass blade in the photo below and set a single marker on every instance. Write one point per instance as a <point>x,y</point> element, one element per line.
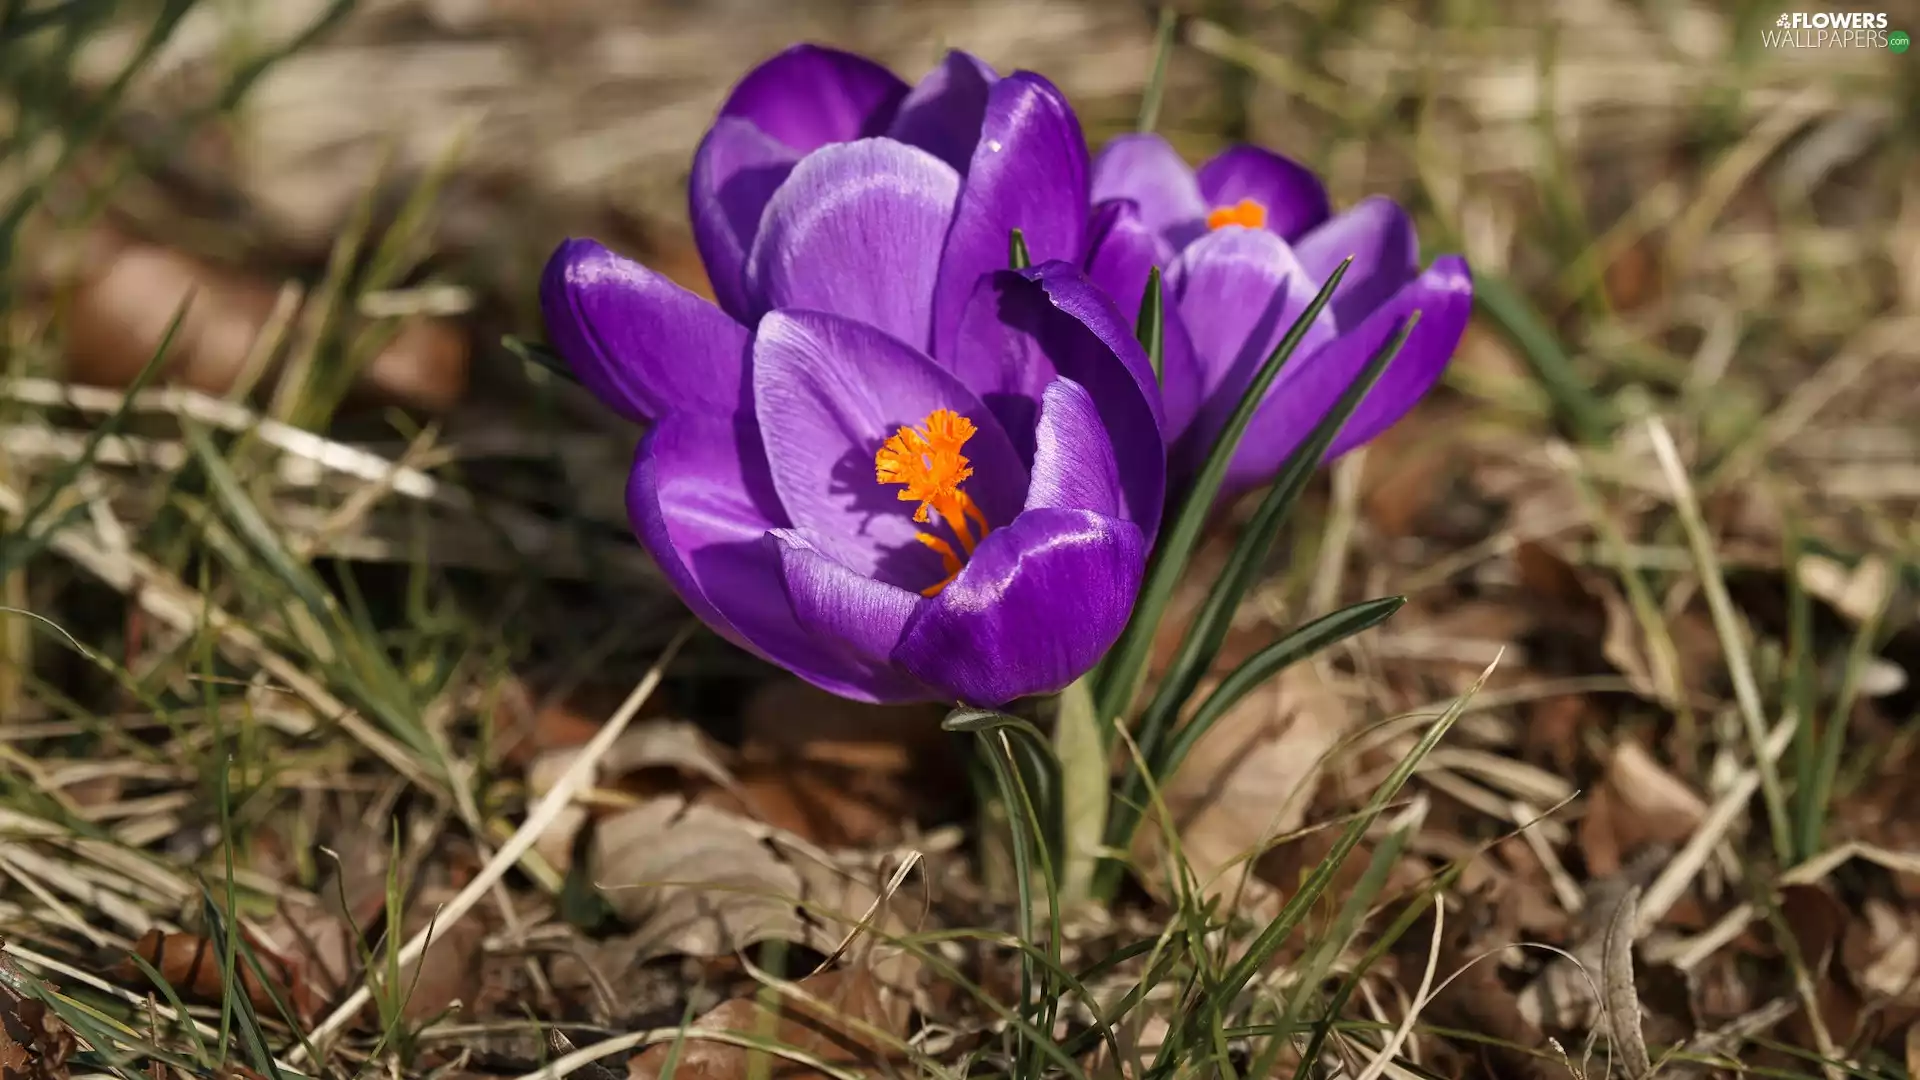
<point>1583,416</point>
<point>1321,633</point>
<point>1149,327</point>
<point>1163,38</point>
<point>1127,660</point>
<point>1017,256</point>
<point>1210,624</point>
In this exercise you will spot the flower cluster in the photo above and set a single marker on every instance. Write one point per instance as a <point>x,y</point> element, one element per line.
<point>894,465</point>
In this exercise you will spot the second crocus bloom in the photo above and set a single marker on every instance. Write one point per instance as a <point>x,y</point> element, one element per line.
<point>1244,244</point>
<point>1011,154</point>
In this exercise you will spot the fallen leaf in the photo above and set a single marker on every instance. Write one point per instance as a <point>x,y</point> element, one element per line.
<point>1249,779</point>
<point>451,973</point>
<point>34,1043</point>
<point>1881,952</point>
<point>1663,809</point>
<point>841,773</point>
<point>126,293</point>
<point>193,966</point>
<point>696,880</point>
<point>840,1027</point>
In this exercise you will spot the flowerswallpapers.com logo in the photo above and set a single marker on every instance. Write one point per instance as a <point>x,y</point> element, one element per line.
<point>1834,29</point>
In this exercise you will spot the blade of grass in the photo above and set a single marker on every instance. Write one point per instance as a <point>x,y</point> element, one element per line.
<point>1726,622</point>
<point>1017,255</point>
<point>1126,665</point>
<point>1210,624</point>
<point>1328,949</point>
<point>997,730</point>
<point>24,540</point>
<point>1275,933</point>
<point>1583,415</point>
<point>1163,37</point>
<point>1323,632</point>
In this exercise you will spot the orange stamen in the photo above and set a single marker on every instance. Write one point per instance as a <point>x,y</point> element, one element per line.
<point>1245,212</point>
<point>926,461</point>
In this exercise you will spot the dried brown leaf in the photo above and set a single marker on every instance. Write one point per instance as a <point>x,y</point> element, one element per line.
<point>696,880</point>
<point>34,1043</point>
<point>127,292</point>
<point>838,1027</point>
<point>1250,778</point>
<point>193,967</point>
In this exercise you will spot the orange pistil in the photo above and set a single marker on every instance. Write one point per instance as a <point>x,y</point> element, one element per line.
<point>1245,212</point>
<point>927,461</point>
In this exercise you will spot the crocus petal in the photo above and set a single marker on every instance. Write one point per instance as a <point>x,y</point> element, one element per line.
<point>1239,291</point>
<point>736,170</point>
<point>1145,169</point>
<point>942,114</point>
<point>642,344</point>
<point>701,502</point>
<point>1024,328</point>
<point>1073,460</point>
<point>1041,602</point>
<point>856,230</point>
<point>1306,390</point>
<point>829,392</point>
<point>832,602</point>
<point>1120,252</point>
<point>1386,255</point>
<point>809,96</point>
<point>1029,172</point>
<point>1294,199</point>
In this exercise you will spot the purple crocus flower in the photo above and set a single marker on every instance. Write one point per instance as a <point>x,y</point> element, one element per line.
<point>892,523</point>
<point>1244,244</point>
<point>1015,158</point>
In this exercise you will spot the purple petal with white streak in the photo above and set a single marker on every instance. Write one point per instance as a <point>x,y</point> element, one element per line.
<point>856,231</point>
<point>1023,328</point>
<point>1028,172</point>
<point>942,114</point>
<point>1042,600</point>
<point>643,345</point>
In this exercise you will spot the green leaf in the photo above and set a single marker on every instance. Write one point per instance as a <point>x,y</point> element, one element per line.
<point>1321,633</point>
<point>1084,780</point>
<point>1017,257</point>
<point>1127,660</point>
<point>1580,412</point>
<point>1275,933</point>
<point>1149,327</point>
<point>1211,623</point>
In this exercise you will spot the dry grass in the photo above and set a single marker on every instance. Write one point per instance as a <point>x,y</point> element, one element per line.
<point>307,660</point>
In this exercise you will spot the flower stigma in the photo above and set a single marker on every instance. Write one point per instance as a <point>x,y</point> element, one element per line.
<point>1245,212</point>
<point>927,461</point>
